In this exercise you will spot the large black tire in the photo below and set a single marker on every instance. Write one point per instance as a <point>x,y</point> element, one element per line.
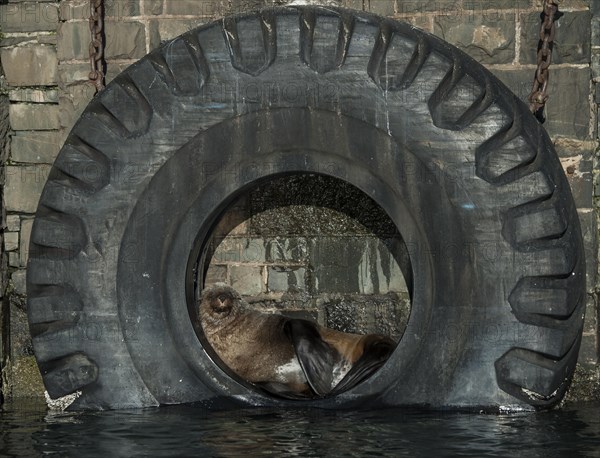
<point>466,173</point>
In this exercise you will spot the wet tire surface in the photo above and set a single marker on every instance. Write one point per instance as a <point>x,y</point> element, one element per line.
<point>465,172</point>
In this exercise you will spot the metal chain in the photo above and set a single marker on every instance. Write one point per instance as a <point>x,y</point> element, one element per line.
<point>538,96</point>
<point>97,44</point>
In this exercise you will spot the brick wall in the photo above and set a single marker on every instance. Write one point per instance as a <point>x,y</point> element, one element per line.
<point>44,55</point>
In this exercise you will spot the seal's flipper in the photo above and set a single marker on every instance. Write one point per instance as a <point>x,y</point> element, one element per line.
<point>376,351</point>
<point>316,356</point>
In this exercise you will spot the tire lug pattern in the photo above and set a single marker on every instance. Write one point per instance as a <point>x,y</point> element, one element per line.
<point>57,308</point>
<point>124,109</point>
<point>58,235</point>
<point>536,223</point>
<point>324,40</point>
<point>182,66</point>
<point>504,157</point>
<point>538,228</point>
<point>81,166</point>
<point>68,374</point>
<point>258,50</point>
<point>389,66</point>
<point>534,378</point>
<point>459,100</point>
<point>536,297</point>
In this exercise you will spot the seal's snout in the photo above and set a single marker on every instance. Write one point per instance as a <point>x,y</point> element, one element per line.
<point>219,301</point>
<point>222,303</point>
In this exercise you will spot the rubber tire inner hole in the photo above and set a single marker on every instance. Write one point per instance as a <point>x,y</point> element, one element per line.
<point>313,247</point>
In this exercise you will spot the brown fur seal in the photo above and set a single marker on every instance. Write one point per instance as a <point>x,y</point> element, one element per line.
<point>289,357</point>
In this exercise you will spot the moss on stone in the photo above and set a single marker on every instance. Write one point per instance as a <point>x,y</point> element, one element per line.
<point>585,386</point>
<point>24,379</point>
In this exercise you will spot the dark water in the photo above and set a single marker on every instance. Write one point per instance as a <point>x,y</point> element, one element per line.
<point>189,431</point>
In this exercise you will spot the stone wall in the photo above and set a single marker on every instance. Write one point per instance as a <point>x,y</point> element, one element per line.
<point>44,54</point>
<point>317,247</point>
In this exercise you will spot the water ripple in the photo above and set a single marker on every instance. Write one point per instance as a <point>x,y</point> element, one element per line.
<point>187,431</point>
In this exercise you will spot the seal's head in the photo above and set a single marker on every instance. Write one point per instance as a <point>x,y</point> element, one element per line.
<point>219,305</point>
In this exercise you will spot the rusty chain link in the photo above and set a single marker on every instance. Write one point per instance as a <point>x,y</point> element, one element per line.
<point>97,44</point>
<point>538,96</point>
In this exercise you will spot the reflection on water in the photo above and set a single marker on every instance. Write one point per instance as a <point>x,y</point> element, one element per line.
<point>187,431</point>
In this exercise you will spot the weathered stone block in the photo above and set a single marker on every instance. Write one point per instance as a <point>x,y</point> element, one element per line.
<point>215,274</point>
<point>70,10</point>
<point>26,226</point>
<point>74,40</point>
<point>28,17</point>
<point>239,249</point>
<point>47,40</point>
<point>25,381</point>
<point>284,279</point>
<point>20,339</point>
<point>596,70</point>
<point>581,181</point>
<point>362,265</point>
<point>422,22</point>
<point>116,9</point>
<point>286,249</point>
<point>73,73</point>
<point>571,5</point>
<point>11,241</point>
<point>247,280</point>
<point>242,6</point>
<point>165,29</point>
<point>153,7</point>
<point>595,30</point>
<point>35,147</point>
<point>489,40</point>
<point>18,280</point>
<point>425,6</point>
<point>590,324</point>
<point>188,7</point>
<point>357,4</point>
<point>35,65</point>
<point>335,264</point>
<point>26,116</point>
<point>384,314</point>
<point>73,101</point>
<point>226,249</point>
<point>481,6</point>
<point>378,271</point>
<point>518,81</point>
<point>24,186</point>
<point>115,69</point>
<point>571,43</point>
<point>588,353</point>
<point>125,40</point>
<point>252,250</point>
<point>568,107</point>
<point>13,223</point>
<point>589,230</point>
<point>13,259</point>
<point>33,95</point>
<point>382,7</point>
